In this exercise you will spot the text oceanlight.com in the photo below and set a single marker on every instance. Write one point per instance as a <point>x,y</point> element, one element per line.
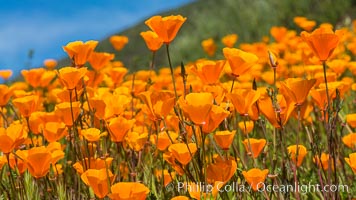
<point>262,187</point>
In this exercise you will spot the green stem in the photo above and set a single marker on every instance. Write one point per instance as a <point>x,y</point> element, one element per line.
<point>172,72</point>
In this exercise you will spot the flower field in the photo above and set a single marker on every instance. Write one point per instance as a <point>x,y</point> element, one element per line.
<point>274,119</point>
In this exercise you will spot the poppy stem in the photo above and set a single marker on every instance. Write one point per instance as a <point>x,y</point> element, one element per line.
<point>4,117</point>
<point>172,72</point>
<point>326,87</point>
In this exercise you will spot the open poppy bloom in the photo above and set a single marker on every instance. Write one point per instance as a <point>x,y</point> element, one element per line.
<point>255,177</point>
<point>249,126</point>
<point>230,40</point>
<point>11,137</point>
<point>26,105</point>
<point>164,139</point>
<point>296,89</point>
<point>153,42</point>
<point>5,94</point>
<point>5,74</point>
<point>323,161</point>
<point>209,46</point>
<point>278,32</point>
<point>244,102</point>
<point>70,76</point>
<point>117,75</point>
<point>240,61</point>
<point>50,63</point>
<point>53,131</point>
<point>224,139</point>
<point>91,134</point>
<point>166,27</point>
<point>222,170</point>
<point>254,145</point>
<point>118,41</point>
<point>38,161</point>
<point>63,111</point>
<point>350,140</point>
<point>118,128</point>
<point>320,98</point>
<point>92,163</point>
<point>33,76</point>
<point>79,52</point>
<point>128,190</point>
<point>19,161</point>
<point>208,71</point>
<point>197,106</point>
<point>97,179</point>
<point>322,41</point>
<point>302,151</point>
<point>216,115</point>
<point>183,152</point>
<point>136,141</point>
<point>351,120</point>
<point>99,60</point>
<point>158,104</point>
<point>351,161</point>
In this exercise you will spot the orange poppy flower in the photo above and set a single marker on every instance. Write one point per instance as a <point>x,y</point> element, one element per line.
<point>351,120</point>
<point>351,161</point>
<point>33,76</point>
<point>71,76</point>
<point>216,115</point>
<point>92,163</point>
<point>63,111</point>
<point>97,179</point>
<point>183,152</point>
<point>222,170</point>
<point>255,177</point>
<point>197,106</point>
<point>322,41</point>
<point>166,27</point>
<point>240,61</point>
<point>209,46</point>
<point>230,40</point>
<point>244,102</point>
<point>153,42</point>
<point>320,98</point>
<point>117,75</point>
<point>5,74</point>
<point>180,198</point>
<point>249,126</point>
<point>224,139</point>
<point>158,104</point>
<point>128,190</point>
<point>323,161</point>
<point>50,63</point>
<point>350,140</point>
<point>164,140</point>
<point>278,33</point>
<point>26,105</point>
<point>100,60</point>
<point>167,176</point>
<point>118,41</point>
<point>91,134</point>
<point>208,71</point>
<point>18,161</point>
<point>38,161</point>
<point>136,141</point>
<point>54,131</point>
<point>302,151</point>
<point>296,89</point>
<point>79,52</point>
<point>256,146</point>
<point>5,94</point>
<point>118,128</point>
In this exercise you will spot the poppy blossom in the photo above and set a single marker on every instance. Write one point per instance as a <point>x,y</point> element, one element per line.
<point>230,40</point>
<point>323,161</point>
<point>91,134</point>
<point>183,153</point>
<point>157,104</point>
<point>26,105</point>
<point>5,94</point>
<point>255,177</point>
<point>322,41</point>
<point>99,60</point>
<point>197,106</point>
<point>244,102</point>
<point>240,61</point>
<point>164,139</point>
<point>209,46</point>
<point>153,42</point>
<point>5,74</point>
<point>118,128</point>
<point>79,52</point>
<point>19,161</point>
<point>128,190</point>
<point>117,75</point>
<point>254,145</point>
<point>320,98</point>
<point>224,139</point>
<point>92,163</point>
<point>97,179</point>
<point>350,140</point>
<point>278,33</point>
<point>12,137</point>
<point>246,127</point>
<point>296,89</point>
<point>208,71</point>
<point>166,27</point>
<point>71,76</point>
<point>216,115</point>
<point>118,41</point>
<point>222,170</point>
<point>351,120</point>
<point>136,141</point>
<point>65,112</point>
<point>50,63</point>
<point>33,76</point>
<point>53,131</point>
<point>351,161</point>
<point>38,161</point>
<point>180,198</point>
<point>302,151</point>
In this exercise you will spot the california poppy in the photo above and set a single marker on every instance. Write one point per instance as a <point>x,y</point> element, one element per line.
<point>26,105</point>
<point>322,41</point>
<point>351,120</point>
<point>230,40</point>
<point>350,140</point>
<point>351,161</point>
<point>222,170</point>
<point>224,139</point>
<point>12,137</point>
<point>92,163</point>
<point>128,190</point>
<point>118,41</point>
<point>97,179</point>
<point>91,134</point>
<point>296,89</point>
<point>180,198</point>
<point>164,139</point>
<point>255,177</point>
<point>183,152</point>
<point>302,151</point>
<point>38,161</point>
<point>216,115</point>
<point>118,128</point>
<point>254,145</point>
<point>70,76</point>
<point>5,74</point>
<point>240,61</point>
<point>244,102</point>
<point>209,46</point>
<point>65,112</point>
<point>158,104</point>
<point>136,141</point>
<point>50,63</point>
<point>208,71</point>
<point>246,126</point>
<point>323,161</point>
<point>168,177</point>
<point>153,42</point>
<point>79,51</point>
<point>99,60</point>
<point>320,98</point>
<point>53,131</point>
<point>33,76</point>
<point>197,106</point>
<point>19,161</point>
<point>5,94</point>
<point>166,27</point>
<point>117,75</point>
<point>278,33</point>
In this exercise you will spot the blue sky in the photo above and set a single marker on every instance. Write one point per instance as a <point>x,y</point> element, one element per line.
<point>47,25</point>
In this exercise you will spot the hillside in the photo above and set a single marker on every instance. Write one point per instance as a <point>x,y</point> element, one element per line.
<point>251,20</point>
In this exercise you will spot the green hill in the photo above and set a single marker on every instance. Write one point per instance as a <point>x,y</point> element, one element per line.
<point>250,19</point>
